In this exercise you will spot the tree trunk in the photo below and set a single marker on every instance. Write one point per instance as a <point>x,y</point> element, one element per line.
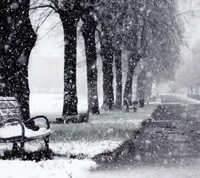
<point>69,22</point>
<point>16,47</point>
<point>107,61</point>
<point>28,38</point>
<point>144,87</point>
<point>118,63</point>
<point>88,31</point>
<point>141,88</point>
<point>132,63</point>
<point>128,86</point>
<point>5,50</point>
<point>148,88</point>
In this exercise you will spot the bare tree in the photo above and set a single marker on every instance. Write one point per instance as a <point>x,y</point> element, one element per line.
<point>70,13</point>
<point>110,17</point>
<point>135,31</point>
<point>158,38</point>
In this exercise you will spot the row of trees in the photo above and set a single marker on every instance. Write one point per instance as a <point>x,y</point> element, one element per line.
<point>188,75</point>
<point>148,30</point>
<point>162,55</point>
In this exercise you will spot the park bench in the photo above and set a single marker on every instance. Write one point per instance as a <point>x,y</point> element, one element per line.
<point>13,129</point>
<point>133,107</point>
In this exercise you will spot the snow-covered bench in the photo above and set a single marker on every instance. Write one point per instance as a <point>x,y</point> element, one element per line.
<point>13,128</point>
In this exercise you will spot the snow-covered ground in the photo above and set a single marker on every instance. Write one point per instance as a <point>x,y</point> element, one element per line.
<point>187,171</point>
<point>61,168</point>
<point>184,97</point>
<point>104,132</point>
<point>51,104</point>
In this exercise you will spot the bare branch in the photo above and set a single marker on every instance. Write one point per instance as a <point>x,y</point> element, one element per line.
<point>49,30</point>
<point>46,17</point>
<point>43,6</point>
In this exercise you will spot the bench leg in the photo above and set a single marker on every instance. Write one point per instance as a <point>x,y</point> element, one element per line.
<point>22,147</point>
<point>15,147</point>
<point>18,150</point>
<point>46,141</point>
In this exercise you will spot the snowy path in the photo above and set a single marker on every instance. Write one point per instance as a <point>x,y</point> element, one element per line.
<point>167,146</point>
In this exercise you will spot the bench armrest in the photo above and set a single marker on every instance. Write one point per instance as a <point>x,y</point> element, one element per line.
<point>37,117</point>
<point>15,120</point>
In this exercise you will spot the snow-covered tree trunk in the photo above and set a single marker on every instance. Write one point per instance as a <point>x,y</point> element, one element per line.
<point>28,37</point>
<point>69,21</point>
<point>107,58</point>
<point>88,30</point>
<point>5,60</point>
<point>17,41</point>
<point>118,64</point>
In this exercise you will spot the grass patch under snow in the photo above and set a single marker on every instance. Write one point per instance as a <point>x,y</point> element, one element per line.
<point>109,125</point>
<point>104,132</point>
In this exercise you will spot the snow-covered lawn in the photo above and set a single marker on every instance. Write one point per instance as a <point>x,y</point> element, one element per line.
<point>50,104</point>
<point>104,132</point>
<point>184,98</point>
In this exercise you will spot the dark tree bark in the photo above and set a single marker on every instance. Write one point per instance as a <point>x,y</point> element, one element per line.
<point>5,61</point>
<point>70,88</point>
<point>107,61</point>
<point>88,31</point>
<point>17,41</point>
<point>118,64</point>
<point>69,21</point>
<point>28,39</point>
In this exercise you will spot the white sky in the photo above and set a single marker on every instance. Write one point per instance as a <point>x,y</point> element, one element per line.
<point>191,13</point>
<point>47,58</point>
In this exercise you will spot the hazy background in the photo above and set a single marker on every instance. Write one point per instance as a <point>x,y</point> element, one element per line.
<point>47,58</point>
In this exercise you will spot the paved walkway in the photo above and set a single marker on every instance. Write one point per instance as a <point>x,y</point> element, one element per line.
<point>170,137</point>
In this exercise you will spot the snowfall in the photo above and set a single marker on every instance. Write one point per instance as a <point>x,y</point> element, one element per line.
<point>90,145</point>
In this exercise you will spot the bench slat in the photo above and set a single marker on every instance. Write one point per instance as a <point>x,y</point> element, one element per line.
<point>9,108</point>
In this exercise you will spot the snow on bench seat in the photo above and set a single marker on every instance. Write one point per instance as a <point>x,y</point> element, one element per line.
<point>11,132</point>
<point>14,129</point>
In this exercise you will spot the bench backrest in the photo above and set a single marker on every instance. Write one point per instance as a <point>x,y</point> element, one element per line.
<point>9,108</point>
